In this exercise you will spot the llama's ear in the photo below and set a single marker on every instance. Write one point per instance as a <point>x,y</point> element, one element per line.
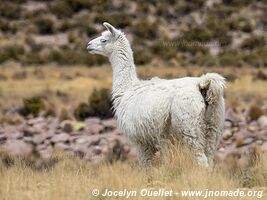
<point>110,28</point>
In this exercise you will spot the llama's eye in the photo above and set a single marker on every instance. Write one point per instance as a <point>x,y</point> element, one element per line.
<point>103,40</point>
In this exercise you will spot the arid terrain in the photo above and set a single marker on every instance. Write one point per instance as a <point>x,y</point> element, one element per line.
<point>58,135</point>
<point>96,155</point>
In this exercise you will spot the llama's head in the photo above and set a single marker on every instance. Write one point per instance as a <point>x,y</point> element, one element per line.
<point>106,43</point>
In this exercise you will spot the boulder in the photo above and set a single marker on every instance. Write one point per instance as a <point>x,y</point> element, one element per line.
<point>17,147</point>
<point>37,120</point>
<point>110,123</point>
<point>227,134</point>
<point>264,147</point>
<point>262,121</point>
<point>39,138</point>
<point>3,139</point>
<point>92,120</point>
<point>62,137</point>
<point>66,126</point>
<point>61,146</point>
<point>95,128</point>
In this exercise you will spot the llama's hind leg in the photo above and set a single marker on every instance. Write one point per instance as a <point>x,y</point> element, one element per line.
<point>212,141</point>
<point>197,147</point>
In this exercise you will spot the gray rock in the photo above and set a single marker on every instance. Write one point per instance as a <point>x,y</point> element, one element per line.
<point>17,147</point>
<point>62,137</point>
<point>97,150</point>
<point>35,121</point>
<point>39,138</point>
<point>3,139</point>
<point>15,135</point>
<point>94,140</point>
<point>227,134</point>
<point>46,153</point>
<point>29,131</point>
<point>264,147</point>
<point>95,128</point>
<point>110,123</point>
<point>66,126</point>
<point>61,146</point>
<point>92,120</point>
<point>262,121</point>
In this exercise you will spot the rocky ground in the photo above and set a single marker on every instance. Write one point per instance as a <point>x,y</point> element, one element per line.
<point>96,140</point>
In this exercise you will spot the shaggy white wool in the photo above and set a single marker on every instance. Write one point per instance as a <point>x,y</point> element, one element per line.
<point>154,112</point>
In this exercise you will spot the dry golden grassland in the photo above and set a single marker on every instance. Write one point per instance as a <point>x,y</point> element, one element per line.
<point>73,179</point>
<point>77,82</point>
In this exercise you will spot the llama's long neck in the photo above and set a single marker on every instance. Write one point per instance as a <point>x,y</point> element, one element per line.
<point>124,72</point>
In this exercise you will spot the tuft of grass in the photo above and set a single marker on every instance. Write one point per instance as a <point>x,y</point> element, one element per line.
<point>253,42</point>
<point>32,106</point>
<point>99,104</point>
<point>255,112</point>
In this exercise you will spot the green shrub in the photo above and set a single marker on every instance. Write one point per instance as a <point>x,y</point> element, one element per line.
<point>34,58</point>
<point>246,27</point>
<point>164,50</point>
<point>230,58</point>
<point>78,5</point>
<point>4,25</point>
<point>192,47</point>
<point>11,52</point>
<point>236,3</point>
<point>82,111</point>
<point>32,106</point>
<point>117,19</point>
<point>240,24</point>
<point>72,57</point>
<point>10,10</point>
<point>45,24</point>
<point>185,7</point>
<point>3,56</point>
<point>99,105</point>
<point>204,60</point>
<point>253,42</point>
<point>255,112</point>
<point>146,30</point>
<point>84,23</point>
<point>222,11</point>
<point>218,29</point>
<point>197,34</point>
<point>256,57</point>
<point>61,8</point>
<point>66,25</point>
<point>224,39</point>
<point>142,57</point>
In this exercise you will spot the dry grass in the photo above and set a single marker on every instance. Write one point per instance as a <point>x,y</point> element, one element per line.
<point>73,179</point>
<point>78,82</point>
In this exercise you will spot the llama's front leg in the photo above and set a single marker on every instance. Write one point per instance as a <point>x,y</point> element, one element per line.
<point>145,155</point>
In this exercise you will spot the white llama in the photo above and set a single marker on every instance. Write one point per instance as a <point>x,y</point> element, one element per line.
<point>153,112</point>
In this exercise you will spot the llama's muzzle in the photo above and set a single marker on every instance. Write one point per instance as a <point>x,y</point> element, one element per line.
<point>89,47</point>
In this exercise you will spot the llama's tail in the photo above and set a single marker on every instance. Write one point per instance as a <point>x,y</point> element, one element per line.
<point>211,86</point>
